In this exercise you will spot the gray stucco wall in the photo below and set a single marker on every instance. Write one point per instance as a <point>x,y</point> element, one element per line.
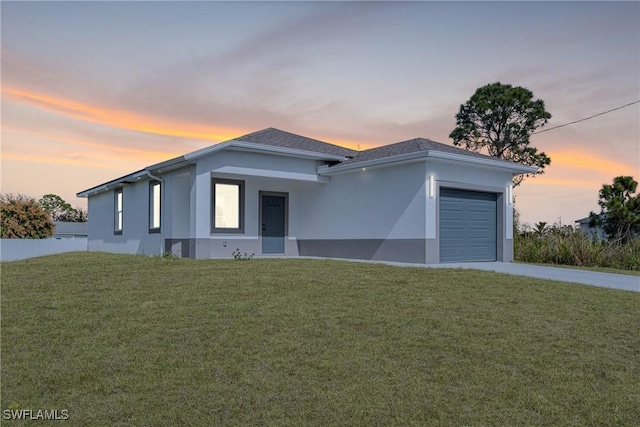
<point>382,213</point>
<point>218,245</point>
<point>135,237</point>
<point>369,214</point>
<point>206,244</point>
<point>257,161</point>
<point>177,207</point>
<point>377,214</point>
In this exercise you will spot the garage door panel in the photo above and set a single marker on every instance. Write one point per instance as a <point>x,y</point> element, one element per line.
<point>450,223</point>
<point>479,223</point>
<point>455,238</point>
<point>451,252</point>
<point>453,214</point>
<point>480,246</point>
<point>468,222</point>
<point>477,236</point>
<point>476,205</point>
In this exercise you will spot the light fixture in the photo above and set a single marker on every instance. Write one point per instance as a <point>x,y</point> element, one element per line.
<point>510,195</point>
<point>432,187</point>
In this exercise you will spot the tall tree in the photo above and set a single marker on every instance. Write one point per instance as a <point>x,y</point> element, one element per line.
<point>620,210</point>
<point>498,120</point>
<point>22,217</point>
<point>60,210</point>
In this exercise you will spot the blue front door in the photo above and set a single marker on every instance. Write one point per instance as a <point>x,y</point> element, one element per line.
<point>273,224</point>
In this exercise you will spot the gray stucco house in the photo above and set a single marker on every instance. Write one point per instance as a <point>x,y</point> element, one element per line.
<point>276,193</point>
<point>592,232</point>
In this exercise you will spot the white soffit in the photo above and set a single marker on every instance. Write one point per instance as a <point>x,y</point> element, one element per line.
<point>268,173</point>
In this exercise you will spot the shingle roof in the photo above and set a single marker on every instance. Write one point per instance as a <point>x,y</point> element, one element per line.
<point>406,147</point>
<point>279,138</point>
<point>75,228</point>
<point>586,220</point>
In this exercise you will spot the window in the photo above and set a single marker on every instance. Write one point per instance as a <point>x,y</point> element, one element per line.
<point>154,207</point>
<point>227,206</point>
<point>118,211</point>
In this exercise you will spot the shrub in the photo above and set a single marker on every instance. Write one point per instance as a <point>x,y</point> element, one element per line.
<point>237,255</point>
<point>569,246</point>
<point>22,217</point>
<point>167,255</point>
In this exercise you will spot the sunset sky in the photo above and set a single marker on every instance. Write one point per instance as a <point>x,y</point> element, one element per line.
<point>95,90</point>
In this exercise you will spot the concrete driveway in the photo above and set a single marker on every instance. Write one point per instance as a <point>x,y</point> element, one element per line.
<point>585,277</point>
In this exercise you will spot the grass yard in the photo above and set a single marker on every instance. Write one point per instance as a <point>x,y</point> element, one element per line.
<point>132,340</point>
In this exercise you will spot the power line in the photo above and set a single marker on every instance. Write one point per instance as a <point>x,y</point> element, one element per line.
<point>587,118</point>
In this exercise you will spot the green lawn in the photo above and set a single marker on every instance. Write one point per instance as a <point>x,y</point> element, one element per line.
<point>132,340</point>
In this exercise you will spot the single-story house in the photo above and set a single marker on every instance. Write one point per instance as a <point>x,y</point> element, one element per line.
<point>69,230</point>
<point>592,232</point>
<point>276,193</point>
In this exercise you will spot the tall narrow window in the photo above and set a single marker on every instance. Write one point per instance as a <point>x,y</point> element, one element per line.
<point>154,207</point>
<point>227,206</point>
<point>118,211</point>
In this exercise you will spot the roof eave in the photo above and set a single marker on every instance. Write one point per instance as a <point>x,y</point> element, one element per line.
<point>292,152</point>
<point>434,154</point>
<point>238,145</point>
<point>118,182</point>
<point>190,158</point>
<point>481,161</point>
<point>401,158</point>
<point>167,165</point>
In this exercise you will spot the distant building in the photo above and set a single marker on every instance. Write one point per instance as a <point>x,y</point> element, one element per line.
<point>70,230</point>
<point>591,231</point>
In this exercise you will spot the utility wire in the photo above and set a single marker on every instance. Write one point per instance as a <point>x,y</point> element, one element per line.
<point>587,118</point>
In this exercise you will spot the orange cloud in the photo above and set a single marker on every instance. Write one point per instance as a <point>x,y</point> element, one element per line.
<point>119,118</point>
<point>146,155</point>
<point>580,170</point>
<point>133,121</point>
<point>117,162</point>
<point>589,162</point>
<point>128,153</point>
<point>562,182</point>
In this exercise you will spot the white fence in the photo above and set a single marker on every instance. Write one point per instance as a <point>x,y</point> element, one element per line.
<point>17,249</point>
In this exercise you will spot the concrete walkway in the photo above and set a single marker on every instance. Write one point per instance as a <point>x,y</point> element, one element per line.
<point>585,277</point>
